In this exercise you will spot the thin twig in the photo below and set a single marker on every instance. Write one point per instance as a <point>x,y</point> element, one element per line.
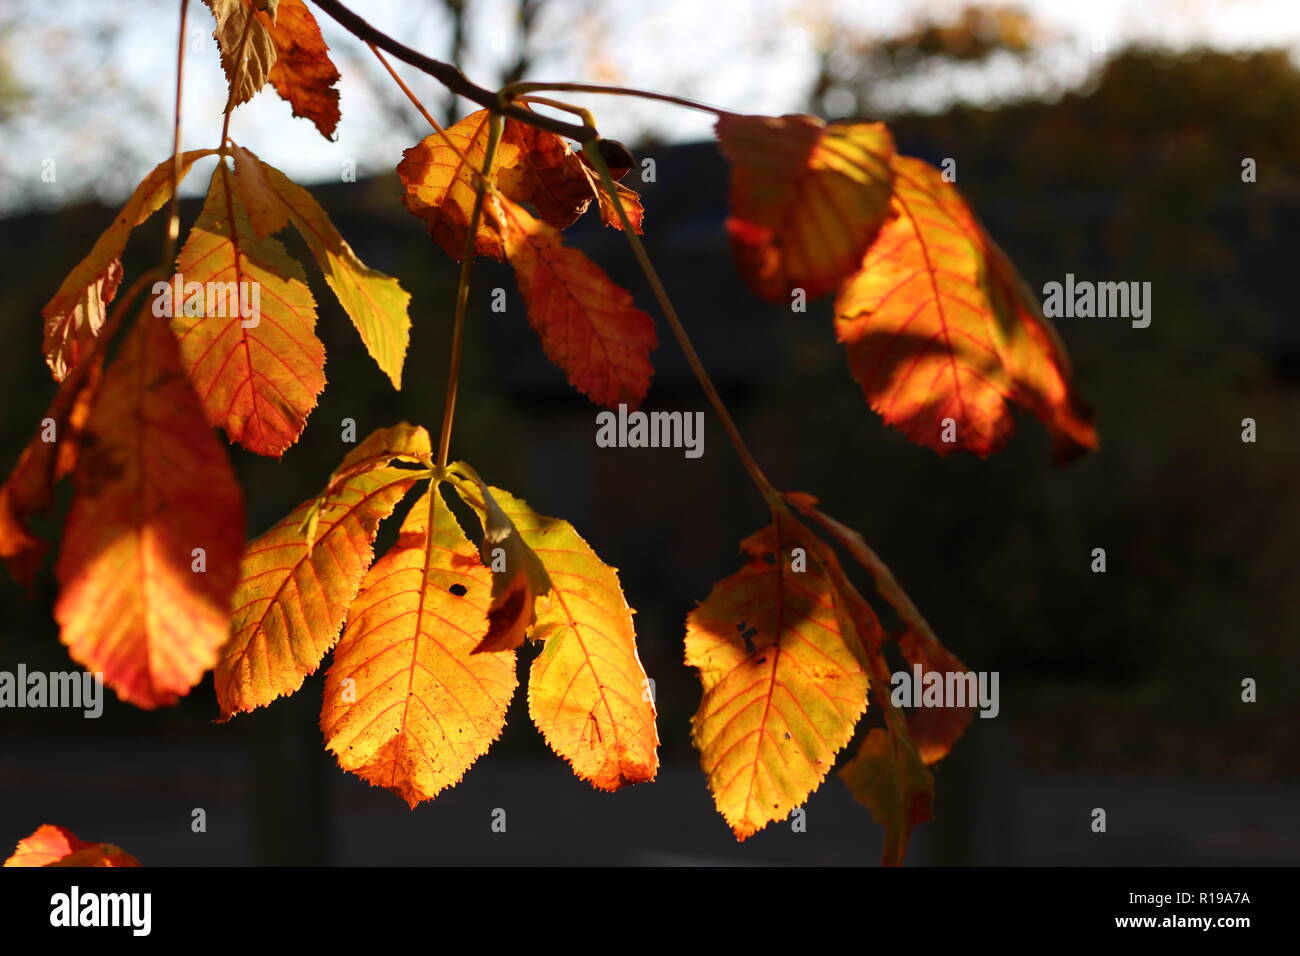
<point>174,209</point>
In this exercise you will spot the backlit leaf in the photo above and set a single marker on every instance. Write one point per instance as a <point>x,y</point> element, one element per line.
<point>74,315</point>
<point>259,377</point>
<point>376,303</point>
<point>931,337</point>
<point>888,778</point>
<point>587,690</point>
<point>408,705</point>
<point>138,600</point>
<point>52,845</point>
<point>292,596</point>
<point>440,184</point>
<point>807,198</point>
<point>783,688</point>
<point>588,325</point>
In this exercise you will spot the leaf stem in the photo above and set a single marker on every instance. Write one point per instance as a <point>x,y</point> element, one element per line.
<point>765,487</point>
<point>462,292</point>
<point>174,209</point>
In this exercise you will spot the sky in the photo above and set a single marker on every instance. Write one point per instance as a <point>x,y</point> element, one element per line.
<point>751,55</point>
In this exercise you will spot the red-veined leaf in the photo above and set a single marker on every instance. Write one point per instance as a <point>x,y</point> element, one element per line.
<point>588,325</point>
<point>258,378</point>
<point>408,705</point>
<point>303,73</point>
<point>926,326</point>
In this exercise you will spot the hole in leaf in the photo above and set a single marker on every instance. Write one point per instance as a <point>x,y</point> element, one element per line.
<point>457,589</point>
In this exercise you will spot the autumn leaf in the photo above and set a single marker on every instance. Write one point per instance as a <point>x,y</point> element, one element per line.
<point>588,325</point>
<point>49,456</point>
<point>783,687</point>
<point>587,691</point>
<point>248,49</point>
<point>303,73</point>
<point>408,705</point>
<point>295,583</point>
<point>258,377</point>
<point>807,199</point>
<point>74,315</point>
<point>376,303</point>
<point>52,845</point>
<point>151,546</point>
<point>518,578</point>
<point>440,184</point>
<point>931,337</point>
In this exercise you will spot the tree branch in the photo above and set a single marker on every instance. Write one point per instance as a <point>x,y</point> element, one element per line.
<point>449,76</point>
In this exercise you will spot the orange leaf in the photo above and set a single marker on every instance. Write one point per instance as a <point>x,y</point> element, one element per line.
<point>806,199</point>
<point>53,845</point>
<point>151,546</point>
<point>783,686</point>
<point>259,377</point>
<point>77,311</point>
<point>441,185</point>
<point>588,325</point>
<point>587,690</point>
<point>296,583</point>
<point>303,72</point>
<point>408,706</point>
<point>375,303</point>
<point>929,336</point>
<point>51,454</point>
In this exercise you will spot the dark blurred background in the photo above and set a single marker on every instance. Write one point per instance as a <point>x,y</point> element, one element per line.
<point>1119,690</point>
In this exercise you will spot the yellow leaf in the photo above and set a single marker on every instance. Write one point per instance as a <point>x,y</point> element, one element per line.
<point>587,690</point>
<point>247,60</point>
<point>408,706</point>
<point>782,686</point>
